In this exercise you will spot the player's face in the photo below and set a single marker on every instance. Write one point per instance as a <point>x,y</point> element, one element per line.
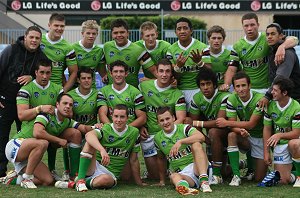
<point>65,106</point>
<point>250,27</point>
<point>119,118</point>
<point>242,88</point>
<point>150,36</point>
<point>164,73</point>
<point>56,29</point>
<point>118,75</point>
<point>166,121</point>
<point>183,31</point>
<point>215,41</point>
<point>207,88</point>
<point>277,93</point>
<point>32,40</point>
<point>89,36</point>
<point>273,36</point>
<point>43,75</point>
<point>85,80</point>
<point>120,35</point>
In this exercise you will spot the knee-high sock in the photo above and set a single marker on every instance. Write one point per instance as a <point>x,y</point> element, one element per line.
<point>233,153</point>
<point>85,161</point>
<point>66,159</point>
<point>51,157</point>
<point>74,151</point>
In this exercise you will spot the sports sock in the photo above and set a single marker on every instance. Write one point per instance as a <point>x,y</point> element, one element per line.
<point>66,159</point>
<point>217,168</point>
<point>51,157</point>
<point>297,166</point>
<point>88,183</point>
<point>203,178</point>
<point>183,183</point>
<point>85,161</point>
<point>74,150</point>
<point>233,153</point>
<point>249,161</point>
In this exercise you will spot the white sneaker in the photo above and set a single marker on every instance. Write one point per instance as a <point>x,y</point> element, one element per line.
<point>27,183</point>
<point>65,176</point>
<point>205,187</point>
<point>236,181</point>
<point>64,184</point>
<point>249,176</point>
<point>9,177</point>
<point>297,183</point>
<point>55,176</point>
<point>80,186</point>
<point>216,180</point>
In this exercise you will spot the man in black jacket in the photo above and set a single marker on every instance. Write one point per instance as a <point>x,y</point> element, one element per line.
<point>17,65</point>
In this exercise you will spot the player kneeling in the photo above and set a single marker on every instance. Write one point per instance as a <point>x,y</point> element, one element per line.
<point>180,144</point>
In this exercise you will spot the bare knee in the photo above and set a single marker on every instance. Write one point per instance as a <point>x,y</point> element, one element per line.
<point>103,181</point>
<point>76,137</point>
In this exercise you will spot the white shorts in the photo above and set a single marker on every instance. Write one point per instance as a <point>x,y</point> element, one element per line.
<point>189,171</point>
<point>101,170</point>
<point>188,95</point>
<point>281,154</point>
<point>257,147</point>
<point>148,147</point>
<point>11,152</point>
<point>262,91</point>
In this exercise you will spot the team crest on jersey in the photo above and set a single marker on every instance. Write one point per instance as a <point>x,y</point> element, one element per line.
<point>239,107</point>
<point>42,46</point>
<point>52,124</point>
<point>52,95</point>
<point>94,58</point>
<point>166,100</point>
<point>79,57</point>
<point>163,143</point>
<point>58,52</point>
<point>111,138</point>
<point>127,141</point>
<point>150,93</point>
<point>287,117</point>
<point>75,104</point>
<point>127,99</point>
<point>111,97</point>
<point>44,93</point>
<point>274,115</point>
<point>111,54</point>
<point>203,108</point>
<point>92,103</point>
<point>260,48</point>
<point>127,58</point>
<point>244,51</point>
<point>36,94</point>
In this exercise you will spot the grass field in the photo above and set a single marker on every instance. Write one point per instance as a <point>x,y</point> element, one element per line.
<point>247,189</point>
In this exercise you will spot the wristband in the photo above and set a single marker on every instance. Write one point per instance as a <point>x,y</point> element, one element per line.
<point>200,65</point>
<point>37,110</point>
<point>177,69</point>
<point>202,122</point>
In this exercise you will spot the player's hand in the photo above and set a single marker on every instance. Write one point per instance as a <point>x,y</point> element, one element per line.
<point>24,80</point>
<point>173,82</point>
<point>273,140</point>
<point>175,148</point>
<point>48,109</point>
<point>1,105</point>
<point>181,60</point>
<point>144,79</point>
<point>188,120</point>
<point>105,158</point>
<point>267,159</point>
<point>221,122</point>
<point>63,143</point>
<point>263,103</point>
<point>97,126</point>
<point>244,133</point>
<point>279,56</point>
<point>144,135</point>
<point>196,56</point>
<point>224,87</point>
<point>105,79</point>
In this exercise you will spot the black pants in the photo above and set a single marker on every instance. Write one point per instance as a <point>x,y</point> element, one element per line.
<point>8,115</point>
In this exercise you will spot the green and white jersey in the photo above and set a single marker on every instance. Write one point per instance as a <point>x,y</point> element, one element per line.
<point>118,145</point>
<point>85,107</point>
<point>89,57</point>
<point>51,123</point>
<point>132,54</point>
<point>155,97</point>
<point>61,54</point>
<point>129,96</point>
<point>158,53</point>
<point>188,73</point>
<point>283,119</point>
<point>164,142</point>
<point>236,108</point>
<point>209,108</point>
<point>219,62</point>
<point>253,56</point>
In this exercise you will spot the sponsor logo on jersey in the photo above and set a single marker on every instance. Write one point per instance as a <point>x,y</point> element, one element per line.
<point>166,100</point>
<point>111,54</point>
<point>244,51</point>
<point>44,93</point>
<point>52,124</point>
<point>13,153</point>
<point>127,58</point>
<point>111,138</point>
<point>75,104</point>
<point>94,58</point>
<point>79,57</point>
<point>92,103</point>
<point>127,141</point>
<point>163,143</point>
<point>260,48</point>
<point>42,46</point>
<point>150,93</point>
<point>36,94</point>
<point>111,97</point>
<point>58,52</point>
<point>274,116</point>
<point>181,153</point>
<point>127,99</point>
<point>52,95</point>
<point>239,107</point>
<point>203,108</point>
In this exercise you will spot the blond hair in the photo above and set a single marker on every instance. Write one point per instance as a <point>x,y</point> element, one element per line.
<point>148,25</point>
<point>89,24</point>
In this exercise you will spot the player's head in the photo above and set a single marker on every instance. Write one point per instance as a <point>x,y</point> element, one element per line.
<point>89,31</point>
<point>184,29</point>
<point>250,25</point>
<point>165,118</point>
<point>282,88</point>
<point>56,26</point>
<point>32,38</point>
<point>85,77</point>
<point>118,71</point>
<point>120,116</point>
<point>274,34</point>
<point>207,81</point>
<point>119,32</point>
<point>149,34</point>
<point>241,84</point>
<point>164,72</point>
<point>216,36</point>
<point>64,104</point>
<point>43,71</point>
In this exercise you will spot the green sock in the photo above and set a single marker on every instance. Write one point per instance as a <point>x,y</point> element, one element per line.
<point>83,167</point>
<point>13,181</point>
<point>234,162</point>
<point>51,157</point>
<point>88,183</point>
<point>74,150</point>
<point>249,161</point>
<point>297,165</point>
<point>66,159</point>
<point>203,177</point>
<point>183,183</point>
<point>217,168</point>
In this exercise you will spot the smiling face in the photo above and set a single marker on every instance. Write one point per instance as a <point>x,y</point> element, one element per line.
<point>250,27</point>
<point>242,88</point>
<point>118,75</point>
<point>56,29</point>
<point>183,32</point>
<point>43,75</point>
<point>120,35</point>
<point>65,106</point>
<point>277,93</point>
<point>166,121</point>
<point>119,118</point>
<point>164,75</point>
<point>32,40</point>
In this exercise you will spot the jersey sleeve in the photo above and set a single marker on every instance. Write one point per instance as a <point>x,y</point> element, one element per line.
<point>230,108</point>
<point>42,119</point>
<point>267,117</point>
<point>180,104</point>
<point>194,108</point>
<point>101,99</point>
<point>234,59</point>
<point>189,130</point>
<point>145,60</point>
<point>73,124</point>
<point>223,103</point>
<point>296,120</point>
<point>70,57</point>
<point>23,96</point>
<point>139,102</point>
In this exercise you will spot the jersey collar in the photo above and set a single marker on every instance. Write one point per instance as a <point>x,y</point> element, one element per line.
<point>81,95</point>
<point>156,46</point>
<point>253,42</point>
<point>159,88</point>
<point>186,48</point>
<point>53,42</point>
<point>41,87</point>
<point>219,54</point>
<point>122,90</point>
<point>247,102</point>
<point>123,47</point>
<point>117,132</point>
<point>211,99</point>
<point>172,133</point>
<point>285,107</point>
<point>84,48</point>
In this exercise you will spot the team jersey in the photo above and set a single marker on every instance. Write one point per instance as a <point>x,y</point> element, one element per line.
<point>132,54</point>
<point>208,108</point>
<point>51,123</point>
<point>118,145</point>
<point>284,119</point>
<point>85,107</point>
<point>220,62</point>
<point>155,97</point>
<point>188,73</point>
<point>158,53</point>
<point>89,57</point>
<point>244,110</point>
<point>164,142</point>
<point>253,56</point>
<point>129,95</point>
<point>61,54</point>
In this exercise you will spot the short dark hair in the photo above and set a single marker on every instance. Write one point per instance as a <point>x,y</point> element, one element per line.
<point>277,26</point>
<point>43,62</point>
<point>240,75</point>
<point>284,84</point>
<point>216,29</point>
<point>119,23</point>
<point>33,28</point>
<point>162,110</point>
<point>85,70</point>
<point>183,19</point>
<point>250,15</point>
<point>59,97</point>
<point>207,74</point>
<point>56,17</point>
<point>118,63</point>
<point>121,107</point>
